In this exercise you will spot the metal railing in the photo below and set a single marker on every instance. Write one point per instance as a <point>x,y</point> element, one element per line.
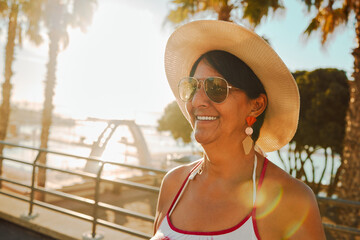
<point>342,203</point>
<point>96,204</point>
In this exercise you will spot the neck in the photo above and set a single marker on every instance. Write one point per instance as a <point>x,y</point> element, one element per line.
<point>228,161</point>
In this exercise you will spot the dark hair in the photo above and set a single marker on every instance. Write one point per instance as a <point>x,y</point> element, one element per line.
<point>239,75</point>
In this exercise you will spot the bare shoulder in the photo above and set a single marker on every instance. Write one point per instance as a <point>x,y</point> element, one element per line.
<point>292,187</point>
<point>170,186</point>
<point>292,203</point>
<point>172,182</point>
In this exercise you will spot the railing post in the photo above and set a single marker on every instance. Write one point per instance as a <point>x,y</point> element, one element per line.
<point>30,215</point>
<point>93,235</point>
<point>1,162</point>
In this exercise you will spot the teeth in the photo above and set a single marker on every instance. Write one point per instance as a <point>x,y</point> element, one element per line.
<point>205,118</point>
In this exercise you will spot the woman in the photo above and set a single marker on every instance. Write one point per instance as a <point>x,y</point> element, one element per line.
<point>235,91</point>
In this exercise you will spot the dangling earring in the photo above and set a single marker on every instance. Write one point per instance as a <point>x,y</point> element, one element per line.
<point>248,142</point>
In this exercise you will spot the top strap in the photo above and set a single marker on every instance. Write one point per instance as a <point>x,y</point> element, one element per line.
<point>262,175</point>
<point>261,179</point>
<point>254,180</point>
<point>197,168</point>
<point>191,176</point>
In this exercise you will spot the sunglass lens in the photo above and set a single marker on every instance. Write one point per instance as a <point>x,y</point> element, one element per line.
<point>187,88</point>
<point>216,89</point>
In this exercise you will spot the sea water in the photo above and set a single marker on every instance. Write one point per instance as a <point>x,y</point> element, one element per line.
<point>77,139</point>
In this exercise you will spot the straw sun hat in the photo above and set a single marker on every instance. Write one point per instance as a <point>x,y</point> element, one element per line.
<point>193,39</point>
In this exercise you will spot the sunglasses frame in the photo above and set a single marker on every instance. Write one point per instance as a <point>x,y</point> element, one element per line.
<point>198,81</point>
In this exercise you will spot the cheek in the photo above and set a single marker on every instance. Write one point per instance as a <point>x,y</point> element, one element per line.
<point>188,108</point>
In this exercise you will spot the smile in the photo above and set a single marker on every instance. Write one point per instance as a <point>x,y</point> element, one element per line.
<point>206,118</point>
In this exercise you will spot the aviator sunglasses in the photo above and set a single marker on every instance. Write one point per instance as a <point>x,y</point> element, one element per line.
<point>216,88</point>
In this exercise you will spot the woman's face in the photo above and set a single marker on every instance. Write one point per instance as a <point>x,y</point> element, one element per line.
<point>217,121</point>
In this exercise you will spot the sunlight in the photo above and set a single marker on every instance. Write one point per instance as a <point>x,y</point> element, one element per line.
<point>271,202</point>
<point>246,199</point>
<point>116,62</point>
<point>268,201</point>
<point>295,225</point>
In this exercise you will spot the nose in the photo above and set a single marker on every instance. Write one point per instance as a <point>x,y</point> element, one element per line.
<point>200,99</point>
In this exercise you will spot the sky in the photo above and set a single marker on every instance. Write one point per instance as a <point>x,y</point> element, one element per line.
<point>116,70</point>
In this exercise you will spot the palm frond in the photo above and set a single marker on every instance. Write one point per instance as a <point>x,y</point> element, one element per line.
<point>179,15</point>
<point>313,26</point>
<point>313,3</point>
<point>3,7</point>
<point>33,13</point>
<point>327,20</point>
<point>83,11</point>
<point>318,3</point>
<point>255,10</point>
<point>186,9</point>
<point>347,8</point>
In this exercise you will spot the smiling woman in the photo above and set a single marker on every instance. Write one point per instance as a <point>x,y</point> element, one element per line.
<point>232,68</point>
<point>223,87</point>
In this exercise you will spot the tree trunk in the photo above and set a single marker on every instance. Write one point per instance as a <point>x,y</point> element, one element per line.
<point>6,86</point>
<point>224,11</point>
<point>48,105</point>
<point>350,173</point>
<point>318,186</point>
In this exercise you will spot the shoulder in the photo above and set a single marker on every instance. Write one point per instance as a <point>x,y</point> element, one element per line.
<point>293,203</point>
<point>174,179</point>
<point>291,186</point>
<point>170,186</point>
<point>290,192</point>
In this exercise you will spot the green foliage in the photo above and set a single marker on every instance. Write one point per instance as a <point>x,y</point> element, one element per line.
<point>33,13</point>
<point>82,14</point>
<point>255,10</point>
<point>327,17</point>
<point>183,9</point>
<point>311,3</point>
<point>58,16</point>
<point>3,8</point>
<point>324,100</point>
<point>178,15</point>
<point>174,121</point>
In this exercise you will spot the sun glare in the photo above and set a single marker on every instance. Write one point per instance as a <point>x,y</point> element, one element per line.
<point>112,68</point>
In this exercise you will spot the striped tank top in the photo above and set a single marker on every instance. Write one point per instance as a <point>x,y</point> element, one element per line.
<point>246,229</point>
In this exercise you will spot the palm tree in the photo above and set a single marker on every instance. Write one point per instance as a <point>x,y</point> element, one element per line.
<point>58,16</point>
<point>14,10</point>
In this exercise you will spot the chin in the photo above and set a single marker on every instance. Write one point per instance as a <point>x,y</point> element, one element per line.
<point>204,139</point>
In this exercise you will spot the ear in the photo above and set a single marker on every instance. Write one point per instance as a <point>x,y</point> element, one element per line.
<point>258,105</point>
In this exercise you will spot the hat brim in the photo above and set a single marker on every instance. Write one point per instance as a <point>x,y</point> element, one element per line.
<point>192,40</point>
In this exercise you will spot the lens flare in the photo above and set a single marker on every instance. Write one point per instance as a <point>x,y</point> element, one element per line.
<point>295,225</point>
<point>271,199</point>
<point>271,203</point>
<point>268,198</point>
<point>245,194</point>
